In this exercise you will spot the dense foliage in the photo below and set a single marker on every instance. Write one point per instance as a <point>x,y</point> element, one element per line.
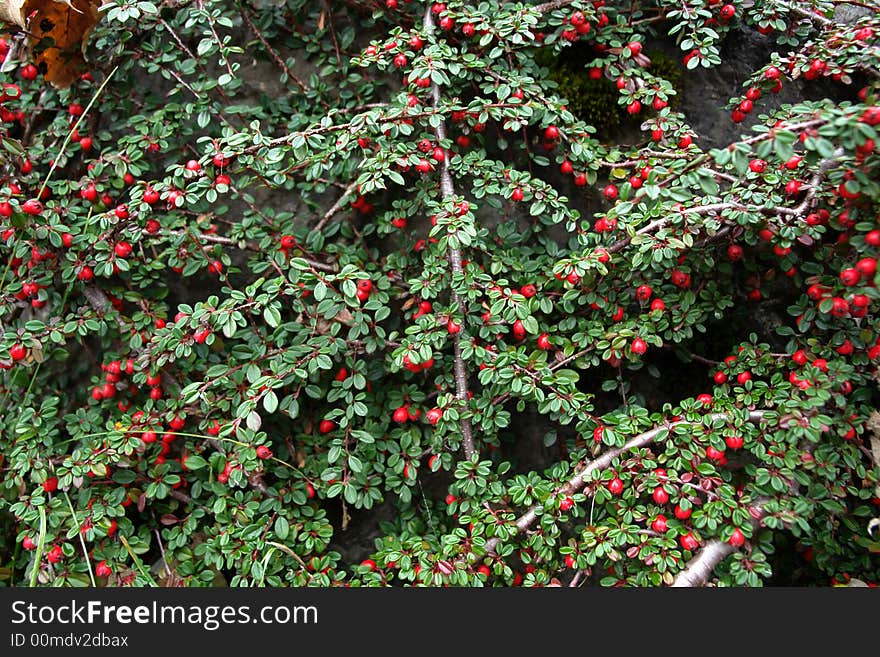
<point>271,267</point>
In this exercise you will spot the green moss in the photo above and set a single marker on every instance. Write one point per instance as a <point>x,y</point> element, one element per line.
<point>596,101</point>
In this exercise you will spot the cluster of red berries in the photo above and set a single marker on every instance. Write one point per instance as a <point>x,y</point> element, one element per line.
<point>406,413</point>
<point>771,75</point>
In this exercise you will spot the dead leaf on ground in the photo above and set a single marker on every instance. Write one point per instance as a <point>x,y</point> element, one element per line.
<point>57,31</point>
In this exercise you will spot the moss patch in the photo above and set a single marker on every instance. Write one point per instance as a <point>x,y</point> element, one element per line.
<point>595,101</point>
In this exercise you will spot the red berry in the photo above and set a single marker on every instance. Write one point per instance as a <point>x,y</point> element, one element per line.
<point>850,276</point>
<point>734,442</point>
<point>737,538</point>
<point>660,495</point>
<point>433,416</point>
<point>839,307</point>
<point>867,267</point>
<point>544,342</point>
<point>122,249</point>
<point>517,195</point>
<point>638,346</point>
<point>326,426</point>
<point>151,196</point>
<point>689,542</point>
<point>566,504</point>
<point>615,486</point>
<point>102,569</point>
<point>29,72</point>
<point>680,279</point>
<point>32,207</point>
<point>610,192</point>
<point>50,485</point>
<point>758,166</point>
<point>264,452</point>
<point>401,414</point>
<point>681,513</point>
<point>659,524</point>
<point>55,555</point>
<point>17,352</point>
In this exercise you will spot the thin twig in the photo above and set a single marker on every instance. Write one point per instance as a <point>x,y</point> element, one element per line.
<point>272,52</point>
<point>336,206</point>
<point>162,551</point>
<point>582,473</point>
<point>447,191</point>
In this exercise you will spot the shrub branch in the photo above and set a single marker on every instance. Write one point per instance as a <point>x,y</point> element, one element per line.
<point>700,568</point>
<point>587,468</point>
<point>447,191</point>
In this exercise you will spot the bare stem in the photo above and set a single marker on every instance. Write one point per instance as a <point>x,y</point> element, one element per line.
<point>699,569</point>
<point>447,191</point>
<point>336,206</point>
<point>587,468</point>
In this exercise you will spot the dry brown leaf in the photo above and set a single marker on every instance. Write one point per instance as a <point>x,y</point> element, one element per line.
<point>57,31</point>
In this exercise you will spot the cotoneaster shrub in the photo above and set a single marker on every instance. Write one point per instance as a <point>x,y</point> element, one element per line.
<point>270,265</point>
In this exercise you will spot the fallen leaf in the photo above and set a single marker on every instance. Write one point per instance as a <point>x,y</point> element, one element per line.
<point>57,33</point>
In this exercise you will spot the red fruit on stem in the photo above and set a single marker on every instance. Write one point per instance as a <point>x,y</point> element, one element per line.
<point>737,538</point>
<point>659,524</point>
<point>689,542</point>
<point>660,495</point>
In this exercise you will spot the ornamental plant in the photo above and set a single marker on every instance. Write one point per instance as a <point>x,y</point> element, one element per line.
<point>278,277</point>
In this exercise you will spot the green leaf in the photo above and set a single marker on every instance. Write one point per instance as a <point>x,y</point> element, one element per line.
<point>195,462</point>
<point>272,316</point>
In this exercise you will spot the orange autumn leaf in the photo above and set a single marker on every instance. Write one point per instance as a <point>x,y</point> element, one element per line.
<point>57,32</point>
